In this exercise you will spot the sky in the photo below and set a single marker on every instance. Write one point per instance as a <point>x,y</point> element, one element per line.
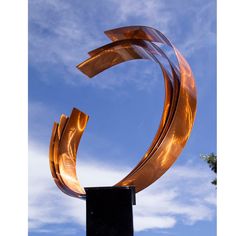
<point>125,107</point>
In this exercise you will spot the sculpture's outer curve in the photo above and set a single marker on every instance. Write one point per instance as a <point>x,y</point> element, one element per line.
<point>134,42</point>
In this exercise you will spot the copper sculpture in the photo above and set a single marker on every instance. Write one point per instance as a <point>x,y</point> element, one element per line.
<point>133,42</point>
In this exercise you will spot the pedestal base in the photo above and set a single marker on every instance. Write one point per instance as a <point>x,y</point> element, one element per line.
<point>109,211</point>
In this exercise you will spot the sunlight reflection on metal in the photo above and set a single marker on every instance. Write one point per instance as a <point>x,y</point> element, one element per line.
<point>129,43</point>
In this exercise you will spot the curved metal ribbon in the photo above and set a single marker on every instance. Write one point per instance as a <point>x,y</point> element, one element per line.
<point>129,43</point>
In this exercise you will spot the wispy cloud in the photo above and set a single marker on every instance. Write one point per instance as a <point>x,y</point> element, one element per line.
<point>57,34</point>
<point>203,30</point>
<point>41,119</point>
<point>183,194</point>
<point>61,33</point>
<point>152,12</point>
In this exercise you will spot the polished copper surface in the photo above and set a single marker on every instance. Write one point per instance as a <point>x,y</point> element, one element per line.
<point>129,43</point>
<point>63,149</point>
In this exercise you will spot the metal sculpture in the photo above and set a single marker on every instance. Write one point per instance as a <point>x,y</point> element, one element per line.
<point>129,43</point>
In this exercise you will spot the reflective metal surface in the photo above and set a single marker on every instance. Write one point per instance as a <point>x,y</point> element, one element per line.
<point>134,42</point>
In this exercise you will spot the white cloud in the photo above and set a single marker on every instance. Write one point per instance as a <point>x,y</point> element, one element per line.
<point>171,200</point>
<point>142,223</point>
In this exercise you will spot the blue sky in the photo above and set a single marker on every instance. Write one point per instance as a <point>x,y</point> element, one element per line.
<point>124,104</point>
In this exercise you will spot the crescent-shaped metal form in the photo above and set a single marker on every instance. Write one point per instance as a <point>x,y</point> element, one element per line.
<point>129,43</point>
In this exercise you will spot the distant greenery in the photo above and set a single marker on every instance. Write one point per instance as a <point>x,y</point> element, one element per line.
<point>211,160</point>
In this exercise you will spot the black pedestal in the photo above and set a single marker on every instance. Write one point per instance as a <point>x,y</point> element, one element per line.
<point>109,211</point>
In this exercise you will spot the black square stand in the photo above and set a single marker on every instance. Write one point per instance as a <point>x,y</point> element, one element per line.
<point>109,211</point>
